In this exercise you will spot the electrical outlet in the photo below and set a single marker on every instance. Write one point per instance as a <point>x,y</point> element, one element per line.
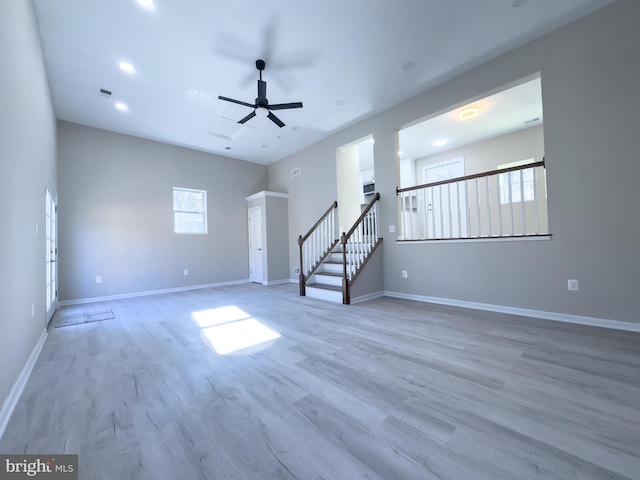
<point>572,285</point>
<point>392,229</point>
<point>186,272</point>
<point>404,274</point>
<point>99,279</point>
<point>296,270</point>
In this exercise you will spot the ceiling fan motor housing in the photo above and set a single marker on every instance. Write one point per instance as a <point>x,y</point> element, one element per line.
<point>261,106</point>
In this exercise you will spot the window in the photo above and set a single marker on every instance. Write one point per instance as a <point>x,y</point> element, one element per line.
<point>515,179</point>
<point>189,210</point>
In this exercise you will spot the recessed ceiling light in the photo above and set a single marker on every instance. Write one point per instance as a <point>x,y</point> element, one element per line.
<point>400,152</point>
<point>408,66</point>
<point>469,113</point>
<point>148,4</point>
<point>122,106</point>
<point>340,102</point>
<point>439,143</point>
<point>127,67</point>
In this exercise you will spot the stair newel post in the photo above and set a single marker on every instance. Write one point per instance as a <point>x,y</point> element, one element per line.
<point>345,279</point>
<point>301,277</point>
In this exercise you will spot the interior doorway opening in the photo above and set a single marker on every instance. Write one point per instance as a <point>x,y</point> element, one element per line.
<point>356,180</point>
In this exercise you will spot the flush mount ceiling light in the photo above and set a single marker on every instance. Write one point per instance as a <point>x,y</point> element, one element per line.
<point>262,112</point>
<point>469,113</point>
<point>126,67</point>
<point>148,4</point>
<point>439,143</point>
<point>122,106</point>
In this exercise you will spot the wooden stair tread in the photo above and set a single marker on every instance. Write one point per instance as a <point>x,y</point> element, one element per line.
<point>324,287</point>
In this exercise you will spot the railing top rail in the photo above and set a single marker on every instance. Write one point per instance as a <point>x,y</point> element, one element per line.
<point>346,236</point>
<point>302,238</point>
<point>471,177</point>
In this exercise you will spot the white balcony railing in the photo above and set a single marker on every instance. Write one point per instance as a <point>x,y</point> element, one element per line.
<point>501,203</point>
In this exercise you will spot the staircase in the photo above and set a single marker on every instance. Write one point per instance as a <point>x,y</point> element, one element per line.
<point>326,282</point>
<point>328,266</point>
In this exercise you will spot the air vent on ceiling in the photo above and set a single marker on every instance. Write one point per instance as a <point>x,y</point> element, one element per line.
<point>104,92</point>
<point>295,172</point>
<point>533,120</point>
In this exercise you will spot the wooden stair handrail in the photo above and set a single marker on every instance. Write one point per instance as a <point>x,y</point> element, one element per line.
<point>345,236</point>
<point>302,238</point>
<point>471,177</point>
<point>346,283</point>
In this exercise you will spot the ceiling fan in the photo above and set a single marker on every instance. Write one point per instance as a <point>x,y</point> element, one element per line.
<point>262,107</point>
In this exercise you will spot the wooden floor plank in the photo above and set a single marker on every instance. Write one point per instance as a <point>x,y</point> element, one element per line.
<point>385,389</point>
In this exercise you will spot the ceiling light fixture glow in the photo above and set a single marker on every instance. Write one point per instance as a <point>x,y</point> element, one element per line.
<point>122,106</point>
<point>126,67</point>
<point>439,143</point>
<point>148,4</point>
<point>469,113</point>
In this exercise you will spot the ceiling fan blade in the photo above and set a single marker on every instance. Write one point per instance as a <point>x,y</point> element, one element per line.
<point>275,120</point>
<point>248,117</point>
<point>227,99</point>
<point>284,106</point>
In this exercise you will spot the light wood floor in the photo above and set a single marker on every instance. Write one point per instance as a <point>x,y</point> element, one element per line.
<point>386,389</point>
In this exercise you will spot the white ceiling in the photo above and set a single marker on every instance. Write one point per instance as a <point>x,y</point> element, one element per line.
<point>509,110</point>
<point>345,60</point>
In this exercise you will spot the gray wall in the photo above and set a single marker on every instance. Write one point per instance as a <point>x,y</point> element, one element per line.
<point>116,214</point>
<point>277,232</point>
<point>27,167</point>
<point>590,76</point>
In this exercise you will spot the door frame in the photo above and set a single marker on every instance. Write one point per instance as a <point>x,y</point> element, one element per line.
<point>256,272</point>
<point>51,254</point>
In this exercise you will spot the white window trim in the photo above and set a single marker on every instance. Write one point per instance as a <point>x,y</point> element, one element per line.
<point>203,212</point>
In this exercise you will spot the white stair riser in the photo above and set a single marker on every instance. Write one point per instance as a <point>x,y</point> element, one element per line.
<point>321,294</point>
<point>328,280</point>
<point>331,268</point>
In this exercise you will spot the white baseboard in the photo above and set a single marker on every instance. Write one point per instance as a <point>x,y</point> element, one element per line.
<point>294,280</point>
<point>18,387</point>
<point>268,283</point>
<point>369,296</point>
<point>80,301</point>
<point>542,314</point>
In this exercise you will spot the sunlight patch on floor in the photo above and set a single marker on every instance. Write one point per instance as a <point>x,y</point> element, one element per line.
<point>230,329</point>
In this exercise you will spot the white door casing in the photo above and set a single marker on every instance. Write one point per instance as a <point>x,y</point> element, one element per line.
<point>51,254</point>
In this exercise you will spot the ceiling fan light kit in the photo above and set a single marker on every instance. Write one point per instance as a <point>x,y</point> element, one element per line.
<point>261,106</point>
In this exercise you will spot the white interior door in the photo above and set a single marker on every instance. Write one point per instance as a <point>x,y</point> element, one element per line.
<point>446,205</point>
<point>51,254</point>
<point>255,245</point>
